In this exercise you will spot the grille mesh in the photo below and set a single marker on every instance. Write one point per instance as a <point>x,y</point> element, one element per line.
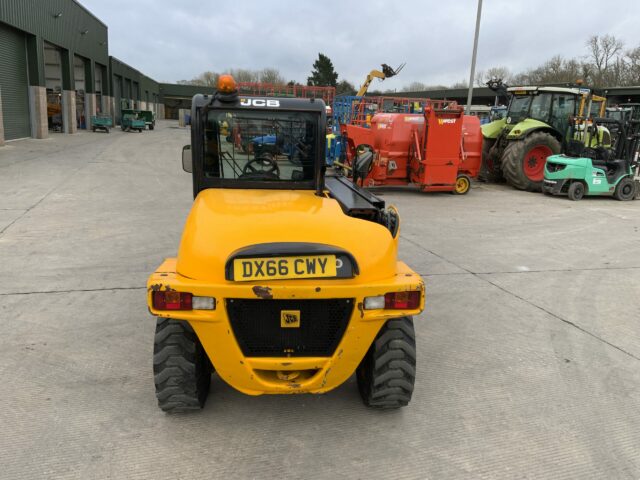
<point>256,326</point>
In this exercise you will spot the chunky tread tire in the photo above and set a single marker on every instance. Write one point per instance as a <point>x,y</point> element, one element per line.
<point>387,373</point>
<point>181,368</point>
<point>490,167</point>
<point>512,161</point>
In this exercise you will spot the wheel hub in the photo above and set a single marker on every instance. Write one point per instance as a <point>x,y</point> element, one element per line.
<point>534,161</point>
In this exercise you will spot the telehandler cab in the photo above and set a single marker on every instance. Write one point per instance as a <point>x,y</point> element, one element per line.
<point>286,281</point>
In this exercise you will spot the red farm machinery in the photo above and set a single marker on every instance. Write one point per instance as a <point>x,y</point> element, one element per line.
<point>436,149</point>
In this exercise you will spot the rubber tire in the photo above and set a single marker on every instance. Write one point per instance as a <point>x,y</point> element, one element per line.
<point>455,190</point>
<point>387,373</point>
<point>513,156</point>
<point>620,195</point>
<point>487,173</point>
<point>576,191</point>
<point>181,368</point>
<point>151,127</point>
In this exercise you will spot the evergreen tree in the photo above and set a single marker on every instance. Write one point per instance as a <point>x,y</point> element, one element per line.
<point>323,74</point>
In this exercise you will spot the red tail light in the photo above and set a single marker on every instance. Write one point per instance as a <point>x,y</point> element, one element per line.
<point>402,300</point>
<point>172,300</point>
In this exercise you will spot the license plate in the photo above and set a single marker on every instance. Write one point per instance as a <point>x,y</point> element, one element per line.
<point>278,268</point>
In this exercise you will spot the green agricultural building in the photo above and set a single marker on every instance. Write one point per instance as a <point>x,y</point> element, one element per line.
<point>56,73</point>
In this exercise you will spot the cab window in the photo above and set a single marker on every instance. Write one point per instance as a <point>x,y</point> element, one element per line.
<point>260,146</point>
<point>562,108</point>
<point>541,107</point>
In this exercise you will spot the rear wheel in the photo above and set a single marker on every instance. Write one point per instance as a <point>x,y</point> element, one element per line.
<point>523,161</point>
<point>181,368</point>
<point>463,184</point>
<point>387,373</point>
<point>625,190</point>
<point>576,191</point>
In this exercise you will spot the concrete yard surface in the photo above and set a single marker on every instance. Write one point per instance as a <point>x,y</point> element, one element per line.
<point>528,351</point>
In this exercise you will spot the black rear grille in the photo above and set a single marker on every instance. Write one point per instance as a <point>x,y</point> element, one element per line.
<point>256,326</point>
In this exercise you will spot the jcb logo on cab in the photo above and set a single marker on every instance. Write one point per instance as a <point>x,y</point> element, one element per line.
<point>259,102</point>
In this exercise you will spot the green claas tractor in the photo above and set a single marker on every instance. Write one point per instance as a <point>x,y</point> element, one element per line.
<point>596,170</point>
<point>516,147</point>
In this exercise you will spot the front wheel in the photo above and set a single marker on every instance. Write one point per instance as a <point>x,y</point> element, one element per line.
<point>523,161</point>
<point>490,168</point>
<point>576,191</point>
<point>181,368</point>
<point>625,190</point>
<point>387,373</point>
<point>463,184</point>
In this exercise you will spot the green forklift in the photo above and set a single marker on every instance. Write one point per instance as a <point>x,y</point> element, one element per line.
<point>600,170</point>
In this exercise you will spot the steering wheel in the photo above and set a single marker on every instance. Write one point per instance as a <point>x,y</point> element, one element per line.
<point>263,166</point>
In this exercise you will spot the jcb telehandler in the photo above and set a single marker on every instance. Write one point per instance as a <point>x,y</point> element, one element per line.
<point>286,281</point>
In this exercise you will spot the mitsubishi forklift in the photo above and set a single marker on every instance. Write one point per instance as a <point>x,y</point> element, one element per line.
<point>596,170</point>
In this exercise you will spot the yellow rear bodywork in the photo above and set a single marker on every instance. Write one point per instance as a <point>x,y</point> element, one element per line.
<point>223,221</point>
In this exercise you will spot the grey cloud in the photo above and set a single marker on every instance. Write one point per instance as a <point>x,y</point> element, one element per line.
<point>434,37</point>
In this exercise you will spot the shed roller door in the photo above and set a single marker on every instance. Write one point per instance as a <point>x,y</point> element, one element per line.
<point>13,83</point>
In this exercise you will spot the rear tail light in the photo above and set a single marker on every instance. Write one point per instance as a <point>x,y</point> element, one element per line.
<point>402,300</point>
<point>170,300</point>
<point>394,301</point>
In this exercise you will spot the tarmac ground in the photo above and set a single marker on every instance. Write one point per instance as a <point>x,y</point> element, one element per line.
<point>528,350</point>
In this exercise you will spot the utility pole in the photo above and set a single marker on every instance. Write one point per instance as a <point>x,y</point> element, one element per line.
<point>473,58</point>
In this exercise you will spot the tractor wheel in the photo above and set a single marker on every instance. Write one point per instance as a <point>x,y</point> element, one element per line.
<point>576,191</point>
<point>523,161</point>
<point>151,127</point>
<point>625,190</point>
<point>463,184</point>
<point>181,368</point>
<point>387,373</point>
<point>490,168</point>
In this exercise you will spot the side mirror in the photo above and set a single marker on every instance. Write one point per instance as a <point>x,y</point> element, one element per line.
<point>187,159</point>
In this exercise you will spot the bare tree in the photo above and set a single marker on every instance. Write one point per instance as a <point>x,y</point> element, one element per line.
<point>632,73</point>
<point>415,87</point>
<point>461,84</point>
<point>483,76</point>
<point>272,75</point>
<point>604,51</point>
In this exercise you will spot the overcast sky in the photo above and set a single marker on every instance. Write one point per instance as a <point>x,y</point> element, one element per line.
<point>170,40</point>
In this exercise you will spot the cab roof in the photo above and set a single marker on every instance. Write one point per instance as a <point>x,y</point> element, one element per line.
<point>262,103</point>
<point>572,90</point>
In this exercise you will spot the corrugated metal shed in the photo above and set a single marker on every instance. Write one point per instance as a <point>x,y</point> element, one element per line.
<point>64,23</point>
